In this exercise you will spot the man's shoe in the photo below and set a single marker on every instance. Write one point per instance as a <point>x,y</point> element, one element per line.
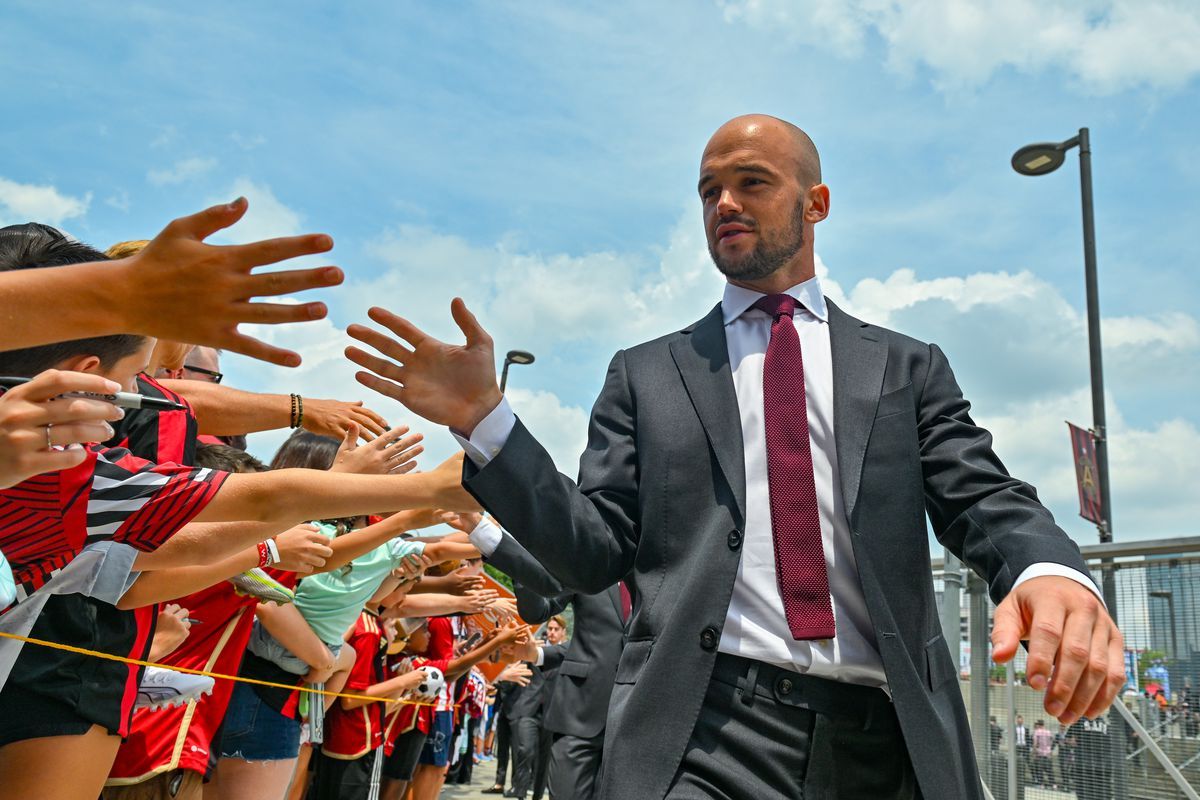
<point>497,789</point>
<point>165,687</point>
<point>257,583</point>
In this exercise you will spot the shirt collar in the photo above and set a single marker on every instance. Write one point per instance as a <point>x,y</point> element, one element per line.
<point>737,300</point>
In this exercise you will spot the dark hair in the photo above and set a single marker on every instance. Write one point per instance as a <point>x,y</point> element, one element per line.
<point>227,459</point>
<point>304,450</point>
<point>36,246</point>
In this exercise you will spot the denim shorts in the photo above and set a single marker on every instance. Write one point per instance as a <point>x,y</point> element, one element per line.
<point>253,731</point>
<point>438,745</point>
<point>266,646</point>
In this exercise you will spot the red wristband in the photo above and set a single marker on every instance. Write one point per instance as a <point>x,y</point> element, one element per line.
<point>264,555</point>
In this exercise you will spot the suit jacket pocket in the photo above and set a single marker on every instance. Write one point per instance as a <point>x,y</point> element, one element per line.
<point>939,665</point>
<point>633,658</point>
<point>575,669</point>
<point>895,402</point>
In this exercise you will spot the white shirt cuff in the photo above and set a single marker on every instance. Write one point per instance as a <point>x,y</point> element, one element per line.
<point>541,657</point>
<point>489,435</point>
<point>486,537</point>
<point>1044,568</point>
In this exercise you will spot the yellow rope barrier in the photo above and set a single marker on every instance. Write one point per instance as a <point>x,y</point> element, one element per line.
<point>216,675</point>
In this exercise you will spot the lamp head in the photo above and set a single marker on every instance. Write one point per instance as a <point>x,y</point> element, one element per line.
<point>519,357</point>
<point>1039,159</point>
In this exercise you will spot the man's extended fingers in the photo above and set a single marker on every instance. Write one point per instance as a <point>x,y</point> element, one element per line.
<point>1116,676</point>
<point>1073,654</point>
<point>397,325</point>
<point>381,342</point>
<point>1092,680</point>
<point>370,424</point>
<point>289,281</point>
<point>375,415</point>
<point>276,313</point>
<point>272,251</point>
<point>256,348</point>
<point>205,223</point>
<point>1045,634</point>
<point>1007,630</point>
<point>384,387</point>
<point>468,324</point>
<point>380,366</point>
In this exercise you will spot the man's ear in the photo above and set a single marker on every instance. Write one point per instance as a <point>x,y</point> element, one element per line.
<point>89,364</point>
<point>818,204</point>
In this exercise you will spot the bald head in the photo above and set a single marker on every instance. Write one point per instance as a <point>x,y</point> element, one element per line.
<point>779,135</point>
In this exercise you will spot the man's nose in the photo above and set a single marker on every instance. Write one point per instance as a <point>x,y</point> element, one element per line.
<point>728,204</point>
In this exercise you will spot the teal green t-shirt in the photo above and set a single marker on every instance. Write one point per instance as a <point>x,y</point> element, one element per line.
<point>331,601</point>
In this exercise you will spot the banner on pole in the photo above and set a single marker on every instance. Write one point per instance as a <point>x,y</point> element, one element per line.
<point>1087,474</point>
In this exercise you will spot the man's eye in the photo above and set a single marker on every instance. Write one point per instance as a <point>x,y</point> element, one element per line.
<point>709,192</point>
<point>751,181</point>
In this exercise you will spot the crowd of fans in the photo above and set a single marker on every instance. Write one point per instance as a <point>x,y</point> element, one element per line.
<point>135,526</point>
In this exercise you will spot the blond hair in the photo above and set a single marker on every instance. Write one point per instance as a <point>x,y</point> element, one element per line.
<point>126,249</point>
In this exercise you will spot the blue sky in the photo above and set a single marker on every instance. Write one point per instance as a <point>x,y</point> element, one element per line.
<point>540,160</point>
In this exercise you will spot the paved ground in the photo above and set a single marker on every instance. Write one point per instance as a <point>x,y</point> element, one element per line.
<point>482,775</point>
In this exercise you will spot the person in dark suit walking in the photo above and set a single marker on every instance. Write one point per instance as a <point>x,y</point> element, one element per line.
<point>526,714</point>
<point>577,709</point>
<point>764,477</point>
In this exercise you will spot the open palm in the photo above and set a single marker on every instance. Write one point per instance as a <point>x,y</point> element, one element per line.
<point>451,385</point>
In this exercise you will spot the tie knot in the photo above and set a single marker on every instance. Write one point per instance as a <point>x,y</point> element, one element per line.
<point>777,305</point>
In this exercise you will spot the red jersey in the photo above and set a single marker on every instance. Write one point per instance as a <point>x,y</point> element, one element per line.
<point>402,717</point>
<point>179,737</point>
<point>47,520</point>
<point>354,733</point>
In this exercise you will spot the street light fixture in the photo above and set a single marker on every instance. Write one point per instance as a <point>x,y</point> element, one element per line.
<point>519,357</point>
<point>1042,159</point>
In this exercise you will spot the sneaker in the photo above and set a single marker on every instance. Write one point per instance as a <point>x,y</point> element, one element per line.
<point>257,583</point>
<point>8,588</point>
<point>165,687</point>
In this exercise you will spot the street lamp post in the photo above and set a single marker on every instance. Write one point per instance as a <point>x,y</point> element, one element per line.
<point>1042,159</point>
<point>519,357</point>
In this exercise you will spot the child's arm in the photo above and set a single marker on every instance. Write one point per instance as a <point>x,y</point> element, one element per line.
<point>287,625</point>
<point>501,636</point>
<point>446,550</point>
<point>350,546</point>
<point>439,605</point>
<point>392,688</point>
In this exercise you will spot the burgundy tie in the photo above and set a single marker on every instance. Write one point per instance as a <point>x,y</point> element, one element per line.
<point>799,556</point>
<point>626,602</point>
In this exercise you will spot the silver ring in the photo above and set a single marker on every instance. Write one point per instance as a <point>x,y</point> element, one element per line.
<point>49,444</point>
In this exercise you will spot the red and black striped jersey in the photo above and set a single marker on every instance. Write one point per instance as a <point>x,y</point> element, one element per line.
<point>158,436</point>
<point>48,519</point>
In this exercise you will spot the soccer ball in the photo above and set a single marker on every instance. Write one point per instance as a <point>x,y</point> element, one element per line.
<point>433,683</point>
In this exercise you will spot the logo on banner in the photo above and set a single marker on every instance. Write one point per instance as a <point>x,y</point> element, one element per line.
<point>1087,474</point>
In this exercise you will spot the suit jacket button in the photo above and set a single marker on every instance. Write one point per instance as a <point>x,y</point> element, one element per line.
<point>709,638</point>
<point>785,686</point>
<point>735,539</point>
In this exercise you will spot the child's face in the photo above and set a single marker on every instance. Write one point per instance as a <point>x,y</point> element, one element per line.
<point>418,640</point>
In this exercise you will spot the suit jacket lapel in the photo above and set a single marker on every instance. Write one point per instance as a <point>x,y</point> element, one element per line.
<point>859,359</point>
<point>702,357</point>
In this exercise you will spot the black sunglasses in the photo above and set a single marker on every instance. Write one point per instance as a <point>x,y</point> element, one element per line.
<point>216,376</point>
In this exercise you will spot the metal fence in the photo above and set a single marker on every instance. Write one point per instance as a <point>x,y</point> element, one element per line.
<point>1149,748</point>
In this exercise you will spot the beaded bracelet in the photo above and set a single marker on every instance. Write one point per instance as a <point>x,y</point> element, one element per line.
<point>297,411</point>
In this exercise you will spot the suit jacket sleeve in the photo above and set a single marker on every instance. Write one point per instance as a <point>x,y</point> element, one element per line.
<point>585,535</point>
<point>519,564</point>
<point>553,655</point>
<point>535,608</point>
<point>993,521</point>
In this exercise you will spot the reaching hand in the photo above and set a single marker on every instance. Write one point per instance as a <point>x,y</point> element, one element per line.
<point>31,419</point>
<point>334,418</point>
<point>518,673</point>
<point>465,521</point>
<point>302,549</point>
<point>189,291</point>
<point>523,649</point>
<point>447,491</point>
<point>463,580</point>
<point>171,629</point>
<point>504,609</point>
<point>451,385</point>
<point>477,600</point>
<point>390,452</point>
<point>1074,646</point>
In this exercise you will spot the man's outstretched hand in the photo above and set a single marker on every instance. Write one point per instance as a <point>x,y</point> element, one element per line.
<point>451,385</point>
<point>1076,652</point>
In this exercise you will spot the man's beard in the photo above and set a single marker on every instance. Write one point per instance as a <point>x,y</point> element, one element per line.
<point>767,257</point>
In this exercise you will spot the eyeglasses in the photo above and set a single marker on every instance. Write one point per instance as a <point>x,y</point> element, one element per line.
<point>214,376</point>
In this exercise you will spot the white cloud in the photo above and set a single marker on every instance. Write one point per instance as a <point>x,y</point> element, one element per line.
<point>266,218</point>
<point>27,202</point>
<point>1106,45</point>
<point>181,171</point>
<point>561,428</point>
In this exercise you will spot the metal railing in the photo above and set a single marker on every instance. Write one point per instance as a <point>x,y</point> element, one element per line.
<point>1148,746</point>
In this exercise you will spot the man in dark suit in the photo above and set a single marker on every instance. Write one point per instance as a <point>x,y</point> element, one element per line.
<point>526,714</point>
<point>577,708</point>
<point>764,477</point>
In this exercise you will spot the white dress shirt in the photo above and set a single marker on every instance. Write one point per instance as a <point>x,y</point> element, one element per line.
<point>755,625</point>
